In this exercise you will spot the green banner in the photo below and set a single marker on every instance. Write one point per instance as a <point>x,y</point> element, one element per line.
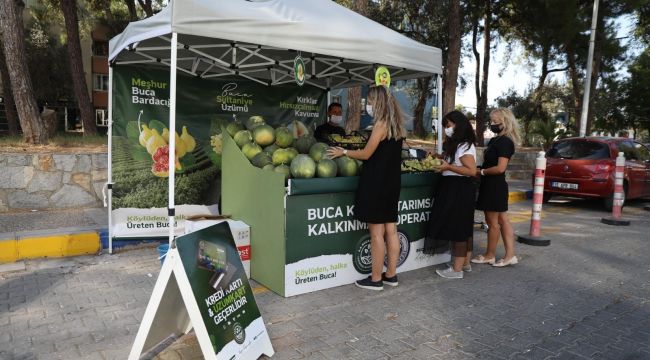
<point>140,151</point>
<point>221,289</point>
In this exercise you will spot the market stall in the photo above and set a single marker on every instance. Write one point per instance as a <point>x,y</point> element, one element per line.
<point>260,41</point>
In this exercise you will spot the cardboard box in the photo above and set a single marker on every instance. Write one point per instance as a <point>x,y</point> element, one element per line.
<point>241,232</point>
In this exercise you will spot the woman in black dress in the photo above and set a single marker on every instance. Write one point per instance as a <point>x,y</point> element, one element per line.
<point>379,185</point>
<point>493,192</point>
<point>451,224</point>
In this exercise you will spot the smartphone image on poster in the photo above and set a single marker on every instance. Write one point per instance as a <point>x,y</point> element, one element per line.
<point>213,258</point>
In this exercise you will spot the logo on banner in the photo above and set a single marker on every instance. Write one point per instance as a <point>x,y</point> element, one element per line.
<point>239,333</point>
<point>382,77</point>
<point>362,258</point>
<point>299,70</point>
<point>404,249</point>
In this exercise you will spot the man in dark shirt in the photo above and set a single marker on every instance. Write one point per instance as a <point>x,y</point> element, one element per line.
<point>333,124</point>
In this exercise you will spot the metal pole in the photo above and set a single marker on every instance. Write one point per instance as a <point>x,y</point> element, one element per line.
<point>172,135</point>
<point>439,125</point>
<point>590,60</point>
<point>110,159</point>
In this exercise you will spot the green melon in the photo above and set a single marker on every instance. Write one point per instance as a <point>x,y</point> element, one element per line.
<point>318,151</point>
<point>268,167</point>
<point>304,143</point>
<point>242,137</point>
<point>283,137</point>
<point>250,150</point>
<point>264,135</point>
<point>281,156</point>
<point>346,166</point>
<point>326,168</point>
<point>292,153</point>
<point>261,159</point>
<point>234,127</point>
<point>270,149</point>
<point>303,167</point>
<point>283,169</point>
<point>254,121</point>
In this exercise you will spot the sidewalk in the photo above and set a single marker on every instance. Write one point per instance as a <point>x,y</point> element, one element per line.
<point>587,296</point>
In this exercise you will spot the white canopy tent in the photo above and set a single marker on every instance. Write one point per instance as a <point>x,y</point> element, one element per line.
<point>259,41</point>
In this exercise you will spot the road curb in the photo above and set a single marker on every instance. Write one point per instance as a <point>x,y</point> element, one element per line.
<point>64,242</point>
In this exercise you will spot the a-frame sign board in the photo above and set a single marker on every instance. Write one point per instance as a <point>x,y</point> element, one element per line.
<point>202,284</point>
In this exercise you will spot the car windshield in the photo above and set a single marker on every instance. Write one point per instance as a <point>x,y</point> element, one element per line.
<point>579,150</point>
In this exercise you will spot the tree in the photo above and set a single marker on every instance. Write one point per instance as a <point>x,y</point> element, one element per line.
<point>481,86</point>
<point>9,103</point>
<point>636,88</point>
<point>21,84</point>
<point>450,78</point>
<point>69,9</point>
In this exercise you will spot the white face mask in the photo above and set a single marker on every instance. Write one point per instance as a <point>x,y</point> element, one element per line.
<point>336,119</point>
<point>369,110</point>
<point>449,131</point>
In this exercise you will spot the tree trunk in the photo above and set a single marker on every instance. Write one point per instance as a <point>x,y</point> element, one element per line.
<point>538,94</point>
<point>481,106</point>
<point>575,82</point>
<point>133,12</point>
<point>450,78</point>
<point>10,105</point>
<point>69,9</point>
<point>418,111</point>
<point>146,6</point>
<point>13,43</point>
<point>354,93</point>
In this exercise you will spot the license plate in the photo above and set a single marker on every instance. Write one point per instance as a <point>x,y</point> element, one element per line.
<point>561,185</point>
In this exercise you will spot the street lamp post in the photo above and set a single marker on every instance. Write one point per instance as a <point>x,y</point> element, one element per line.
<point>590,60</point>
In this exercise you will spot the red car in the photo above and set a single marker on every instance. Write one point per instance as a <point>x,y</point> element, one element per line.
<point>584,167</point>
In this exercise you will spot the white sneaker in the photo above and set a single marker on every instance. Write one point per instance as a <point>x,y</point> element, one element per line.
<point>449,273</point>
<point>467,268</point>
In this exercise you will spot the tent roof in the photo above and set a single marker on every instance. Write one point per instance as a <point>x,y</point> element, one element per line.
<point>259,40</point>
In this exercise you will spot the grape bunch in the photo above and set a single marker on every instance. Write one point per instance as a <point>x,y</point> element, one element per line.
<point>215,142</point>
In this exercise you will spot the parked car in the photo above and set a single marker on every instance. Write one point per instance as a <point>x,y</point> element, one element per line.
<point>584,167</point>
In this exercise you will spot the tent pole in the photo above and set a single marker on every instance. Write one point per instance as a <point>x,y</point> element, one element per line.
<point>439,124</point>
<point>172,134</point>
<point>110,159</point>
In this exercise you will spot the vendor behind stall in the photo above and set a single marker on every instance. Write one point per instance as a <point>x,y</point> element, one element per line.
<point>333,124</point>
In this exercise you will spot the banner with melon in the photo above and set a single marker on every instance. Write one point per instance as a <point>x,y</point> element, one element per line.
<point>140,151</point>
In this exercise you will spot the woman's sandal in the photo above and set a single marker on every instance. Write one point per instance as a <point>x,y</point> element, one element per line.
<point>503,263</point>
<point>482,260</point>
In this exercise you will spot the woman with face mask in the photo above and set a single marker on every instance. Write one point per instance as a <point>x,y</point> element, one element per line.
<point>493,192</point>
<point>379,187</point>
<point>451,223</point>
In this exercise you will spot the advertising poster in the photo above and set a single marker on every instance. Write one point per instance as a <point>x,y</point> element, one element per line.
<point>327,246</point>
<point>224,297</point>
<point>140,151</point>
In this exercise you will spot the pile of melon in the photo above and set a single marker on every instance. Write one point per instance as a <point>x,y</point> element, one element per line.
<point>288,149</point>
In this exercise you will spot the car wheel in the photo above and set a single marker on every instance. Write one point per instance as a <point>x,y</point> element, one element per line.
<point>609,201</point>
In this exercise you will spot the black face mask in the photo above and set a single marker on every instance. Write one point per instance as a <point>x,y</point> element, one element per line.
<point>496,128</point>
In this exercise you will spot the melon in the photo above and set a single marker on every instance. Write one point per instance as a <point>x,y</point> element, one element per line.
<point>264,135</point>
<point>261,159</point>
<point>234,127</point>
<point>303,167</point>
<point>268,167</point>
<point>326,168</point>
<point>283,137</point>
<point>254,121</point>
<point>298,129</point>
<point>304,143</point>
<point>281,156</point>
<point>270,149</point>
<point>242,137</point>
<point>283,169</point>
<point>346,166</point>
<point>318,151</point>
<point>250,150</point>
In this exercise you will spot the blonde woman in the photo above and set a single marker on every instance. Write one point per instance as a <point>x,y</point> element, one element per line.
<point>379,185</point>
<point>493,192</point>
